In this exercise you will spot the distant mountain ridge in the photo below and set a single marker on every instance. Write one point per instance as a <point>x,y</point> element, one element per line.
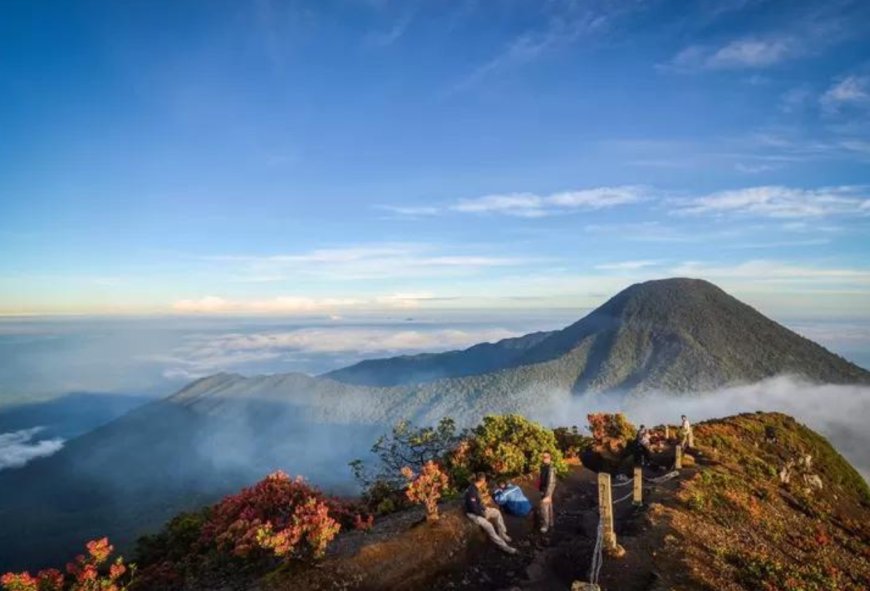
<point>426,367</point>
<point>225,431</point>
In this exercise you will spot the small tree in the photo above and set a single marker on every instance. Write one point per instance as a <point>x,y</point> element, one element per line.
<point>405,446</point>
<point>426,487</point>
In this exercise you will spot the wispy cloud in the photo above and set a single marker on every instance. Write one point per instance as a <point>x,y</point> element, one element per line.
<point>415,211</point>
<point>532,205</point>
<point>754,168</point>
<point>753,53</point>
<point>774,271</point>
<point>626,265</point>
<point>851,90</point>
<point>803,33</point>
<point>780,202</point>
<point>747,53</point>
<point>567,23</point>
<point>17,448</point>
<point>385,38</point>
<point>369,261</point>
<point>782,243</point>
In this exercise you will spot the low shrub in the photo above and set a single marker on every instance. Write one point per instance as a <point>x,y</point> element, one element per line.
<point>278,517</point>
<point>87,572</point>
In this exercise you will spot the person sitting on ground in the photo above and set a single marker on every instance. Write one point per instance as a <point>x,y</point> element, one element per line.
<point>511,499</point>
<point>642,442</point>
<point>685,433</point>
<point>547,486</point>
<point>485,516</point>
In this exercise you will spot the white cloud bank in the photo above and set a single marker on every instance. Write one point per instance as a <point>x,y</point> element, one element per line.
<point>277,305</point>
<point>17,448</point>
<point>207,354</point>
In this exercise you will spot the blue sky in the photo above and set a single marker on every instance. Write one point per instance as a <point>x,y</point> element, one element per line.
<point>336,158</point>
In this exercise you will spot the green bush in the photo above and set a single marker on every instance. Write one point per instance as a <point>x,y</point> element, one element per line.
<point>511,445</point>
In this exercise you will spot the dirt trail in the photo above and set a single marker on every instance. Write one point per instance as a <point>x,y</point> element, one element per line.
<point>552,561</point>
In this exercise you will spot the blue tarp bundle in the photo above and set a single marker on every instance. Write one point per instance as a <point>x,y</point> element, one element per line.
<point>512,500</point>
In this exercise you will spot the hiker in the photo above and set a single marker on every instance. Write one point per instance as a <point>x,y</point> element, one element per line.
<point>484,516</point>
<point>686,438</point>
<point>511,499</point>
<point>547,486</point>
<point>642,453</point>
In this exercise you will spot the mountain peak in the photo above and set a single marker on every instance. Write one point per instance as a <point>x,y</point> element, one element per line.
<point>684,334</point>
<point>663,297</point>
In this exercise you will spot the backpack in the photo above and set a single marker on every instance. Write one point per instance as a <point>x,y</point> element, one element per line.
<point>512,500</point>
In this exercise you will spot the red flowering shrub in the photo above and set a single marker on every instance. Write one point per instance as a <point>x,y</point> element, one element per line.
<point>278,513</point>
<point>84,573</point>
<point>426,487</point>
<point>310,521</point>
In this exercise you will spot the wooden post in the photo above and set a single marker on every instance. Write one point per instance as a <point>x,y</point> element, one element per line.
<point>638,485</point>
<point>678,458</point>
<point>605,509</point>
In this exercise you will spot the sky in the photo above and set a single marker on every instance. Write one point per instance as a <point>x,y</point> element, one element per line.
<point>344,157</point>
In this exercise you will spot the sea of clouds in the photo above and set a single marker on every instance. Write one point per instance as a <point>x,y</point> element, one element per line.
<point>156,358</point>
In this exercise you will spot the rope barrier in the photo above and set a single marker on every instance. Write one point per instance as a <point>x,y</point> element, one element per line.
<point>597,553</point>
<point>623,483</point>
<point>597,559</point>
<point>628,496</point>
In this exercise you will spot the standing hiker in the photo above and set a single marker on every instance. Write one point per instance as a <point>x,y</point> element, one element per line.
<point>687,439</point>
<point>484,516</point>
<point>547,486</point>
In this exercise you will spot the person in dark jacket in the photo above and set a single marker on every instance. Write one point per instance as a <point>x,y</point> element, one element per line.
<point>485,516</point>
<point>547,486</point>
<point>642,443</point>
